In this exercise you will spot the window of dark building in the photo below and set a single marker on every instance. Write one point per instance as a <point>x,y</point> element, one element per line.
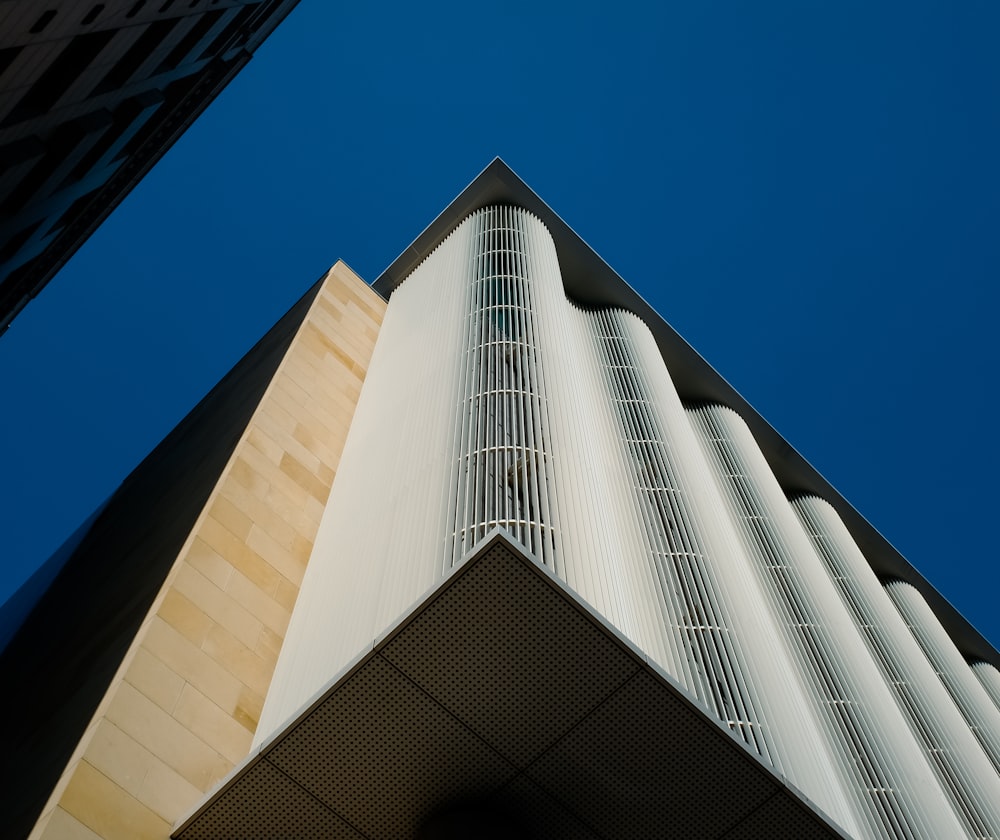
<point>43,21</point>
<point>173,96</point>
<point>186,44</point>
<point>74,210</point>
<point>16,154</point>
<point>264,12</point>
<point>16,242</point>
<point>123,70</point>
<point>124,117</point>
<point>93,14</point>
<point>227,37</point>
<point>59,75</point>
<point>57,148</point>
<point>7,56</point>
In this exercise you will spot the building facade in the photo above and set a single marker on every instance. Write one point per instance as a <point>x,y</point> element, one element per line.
<point>91,96</point>
<point>488,548</point>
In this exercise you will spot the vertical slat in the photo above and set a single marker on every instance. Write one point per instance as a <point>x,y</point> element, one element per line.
<point>507,398</point>
<point>896,792</point>
<point>493,401</point>
<point>959,679</point>
<point>965,773</point>
<point>989,678</point>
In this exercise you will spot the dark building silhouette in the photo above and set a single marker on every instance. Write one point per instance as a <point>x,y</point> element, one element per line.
<point>91,95</point>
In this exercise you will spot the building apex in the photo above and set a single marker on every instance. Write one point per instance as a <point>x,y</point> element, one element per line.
<point>588,279</point>
<point>591,282</point>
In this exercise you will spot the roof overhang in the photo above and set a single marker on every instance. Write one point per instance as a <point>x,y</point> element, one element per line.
<point>504,695</point>
<point>590,281</point>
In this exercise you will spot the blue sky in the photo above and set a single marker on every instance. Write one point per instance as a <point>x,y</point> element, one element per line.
<point>809,192</point>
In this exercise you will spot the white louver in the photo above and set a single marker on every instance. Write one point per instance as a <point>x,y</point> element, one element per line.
<point>969,695</point>
<point>492,401</point>
<point>501,424</point>
<point>878,758</point>
<point>989,677</point>
<point>966,776</point>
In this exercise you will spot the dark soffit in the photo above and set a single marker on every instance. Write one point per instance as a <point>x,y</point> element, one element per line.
<point>591,282</point>
<point>502,693</point>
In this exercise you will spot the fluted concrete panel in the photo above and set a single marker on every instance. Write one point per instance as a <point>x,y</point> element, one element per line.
<point>989,677</point>
<point>896,794</point>
<point>970,695</point>
<point>964,772</point>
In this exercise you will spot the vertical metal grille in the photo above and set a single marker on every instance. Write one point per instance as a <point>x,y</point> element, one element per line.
<point>981,715</point>
<point>865,757</point>
<point>968,781</point>
<point>989,678</point>
<point>492,401</point>
<point>709,652</point>
<point>503,452</point>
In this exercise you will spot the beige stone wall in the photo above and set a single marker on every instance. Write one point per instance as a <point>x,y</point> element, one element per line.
<point>183,707</point>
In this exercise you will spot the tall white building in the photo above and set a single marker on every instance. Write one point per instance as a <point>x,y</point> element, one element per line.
<point>550,577</point>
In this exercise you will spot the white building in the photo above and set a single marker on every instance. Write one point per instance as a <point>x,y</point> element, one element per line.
<point>561,581</point>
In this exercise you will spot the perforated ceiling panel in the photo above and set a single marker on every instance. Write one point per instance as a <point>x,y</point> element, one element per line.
<point>502,691</point>
<point>265,804</point>
<point>783,815</point>
<point>548,818</point>
<point>488,675</point>
<point>606,769</point>
<point>380,768</point>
